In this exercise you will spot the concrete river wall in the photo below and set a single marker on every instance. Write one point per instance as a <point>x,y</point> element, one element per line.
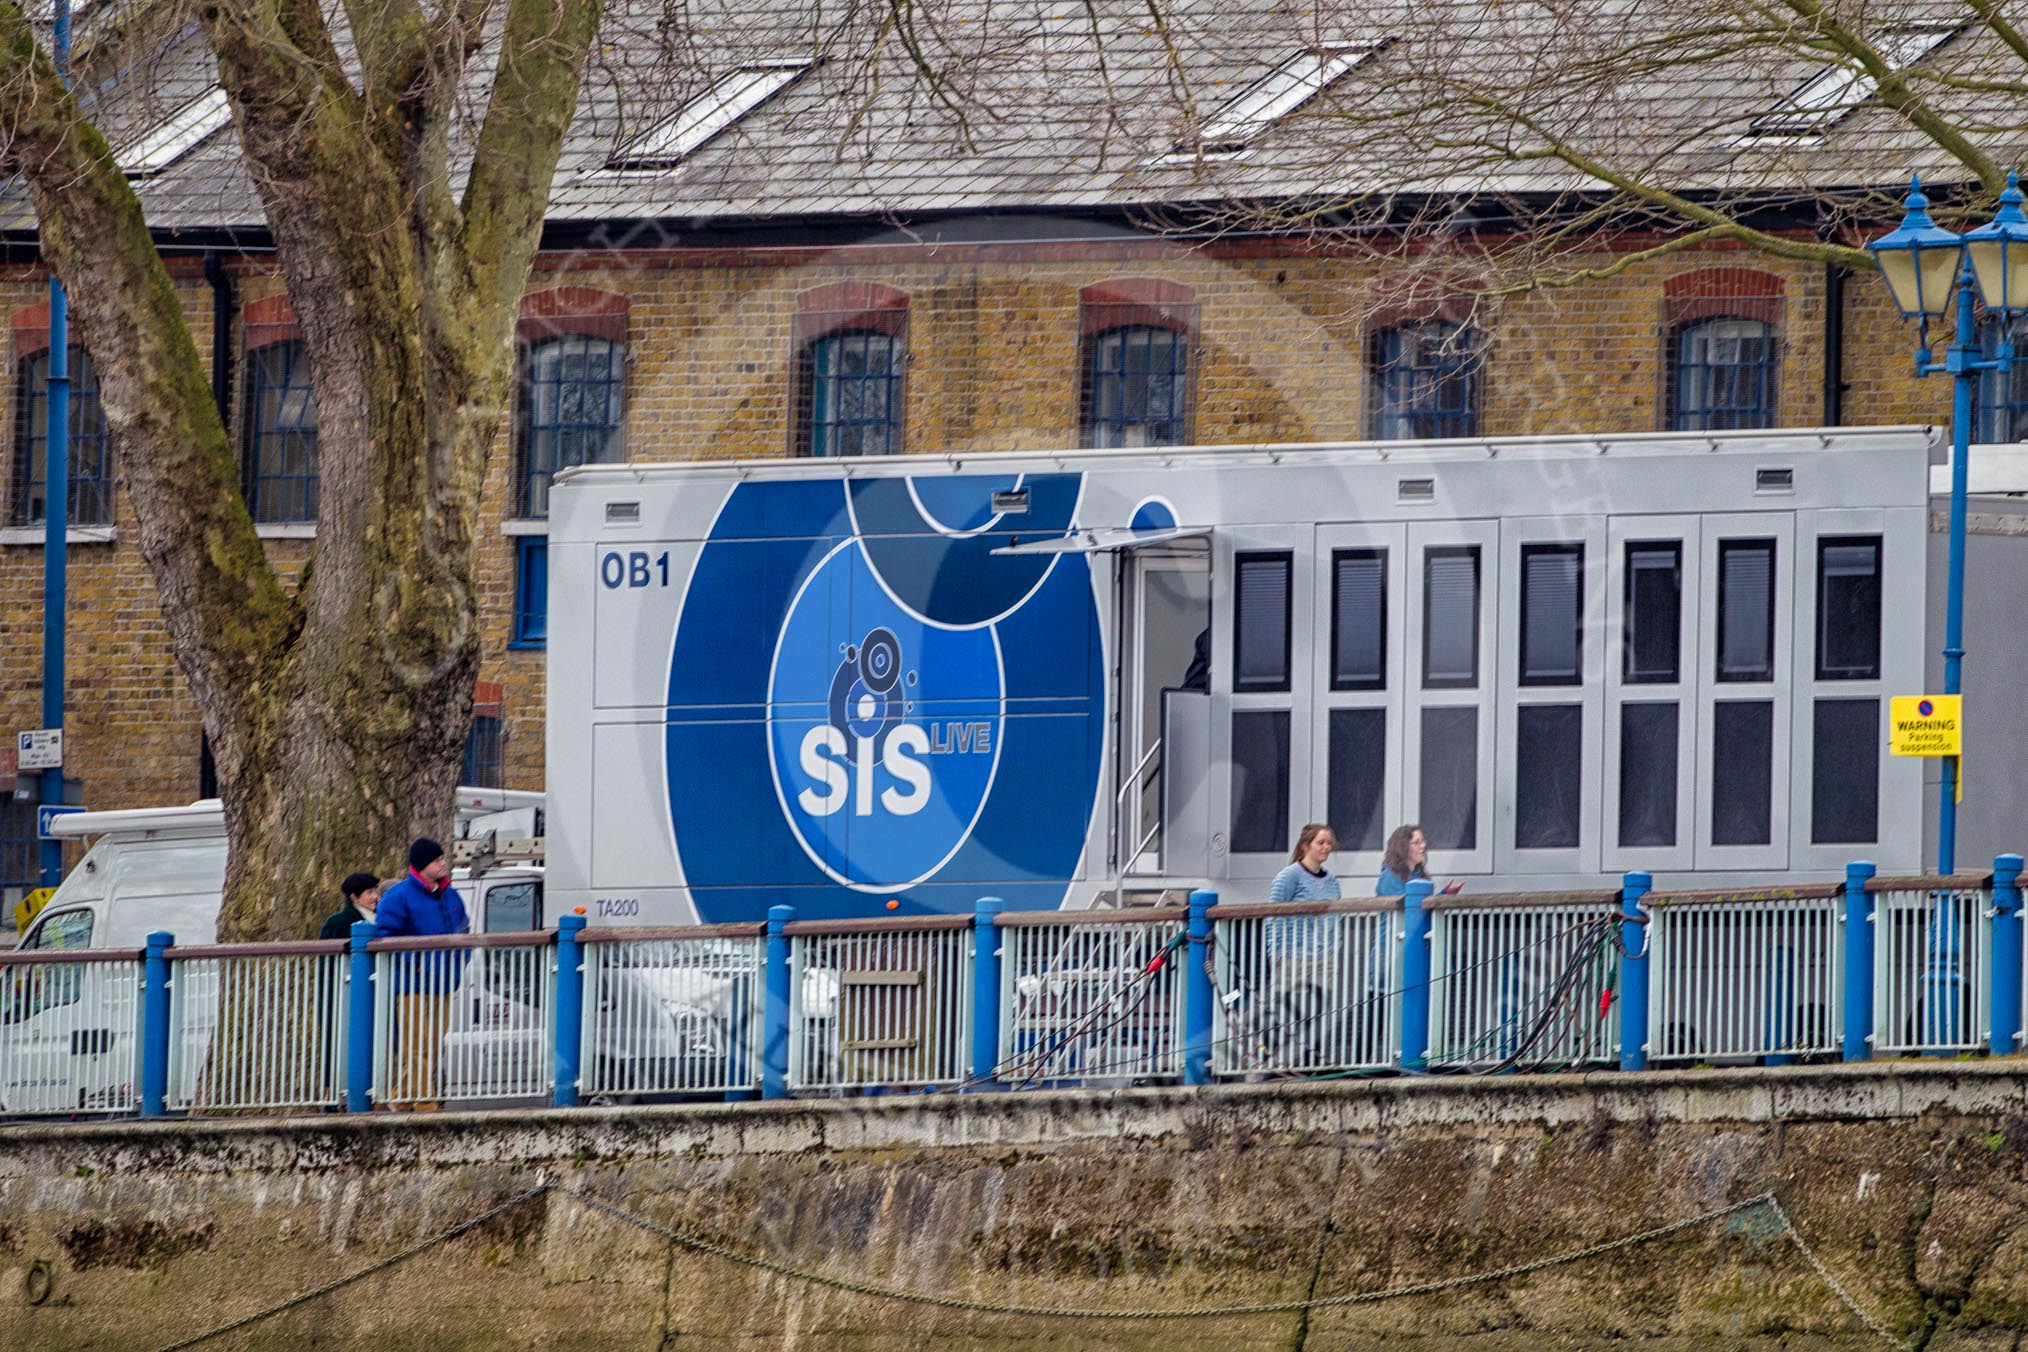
<point>1906,1179</point>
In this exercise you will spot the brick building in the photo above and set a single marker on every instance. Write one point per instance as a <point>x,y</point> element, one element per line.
<point>680,310</point>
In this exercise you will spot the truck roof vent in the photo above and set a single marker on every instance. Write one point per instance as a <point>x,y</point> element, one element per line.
<point>1415,490</point>
<point>1781,480</point>
<point>623,513</point>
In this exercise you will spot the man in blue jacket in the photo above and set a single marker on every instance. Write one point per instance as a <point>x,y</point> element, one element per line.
<point>422,904</point>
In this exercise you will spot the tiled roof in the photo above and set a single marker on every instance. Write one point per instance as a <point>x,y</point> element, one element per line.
<point>1064,105</point>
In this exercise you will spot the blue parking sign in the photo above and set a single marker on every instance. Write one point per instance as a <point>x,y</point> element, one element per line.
<point>46,815</point>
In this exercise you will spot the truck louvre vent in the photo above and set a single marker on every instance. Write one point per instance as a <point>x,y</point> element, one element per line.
<point>1010,501</point>
<point>622,511</point>
<point>1774,481</point>
<point>1416,490</point>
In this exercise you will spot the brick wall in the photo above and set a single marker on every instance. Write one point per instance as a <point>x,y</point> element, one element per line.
<point>1280,340</point>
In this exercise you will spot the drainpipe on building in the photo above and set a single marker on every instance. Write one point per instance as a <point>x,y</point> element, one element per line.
<point>1834,344</point>
<point>216,277</point>
<point>222,303</point>
<point>56,505</point>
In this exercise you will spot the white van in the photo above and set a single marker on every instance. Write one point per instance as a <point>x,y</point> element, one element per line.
<point>164,869</point>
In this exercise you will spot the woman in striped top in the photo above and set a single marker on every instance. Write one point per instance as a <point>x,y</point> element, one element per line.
<point>1306,878</point>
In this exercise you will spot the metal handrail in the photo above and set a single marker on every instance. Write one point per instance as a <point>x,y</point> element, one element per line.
<point>832,1005</point>
<point>1137,786</point>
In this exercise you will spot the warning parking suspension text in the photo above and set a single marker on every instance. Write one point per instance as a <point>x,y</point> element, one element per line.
<point>1925,725</point>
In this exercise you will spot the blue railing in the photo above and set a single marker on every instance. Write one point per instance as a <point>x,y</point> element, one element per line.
<point>1006,1001</point>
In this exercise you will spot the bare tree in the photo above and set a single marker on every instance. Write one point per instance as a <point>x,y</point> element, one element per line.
<point>337,711</point>
<point>1560,141</point>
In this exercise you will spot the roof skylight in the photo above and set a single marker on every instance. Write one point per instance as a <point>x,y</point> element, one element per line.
<point>686,131</point>
<point>1270,99</point>
<point>1836,90</point>
<point>186,129</point>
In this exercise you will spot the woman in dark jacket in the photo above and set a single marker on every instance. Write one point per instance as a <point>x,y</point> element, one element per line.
<point>362,893</point>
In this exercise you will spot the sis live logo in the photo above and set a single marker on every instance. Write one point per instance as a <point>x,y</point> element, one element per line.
<point>885,728</point>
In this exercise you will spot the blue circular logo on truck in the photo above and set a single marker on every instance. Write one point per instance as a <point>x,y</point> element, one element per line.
<point>871,699</point>
<point>884,744</point>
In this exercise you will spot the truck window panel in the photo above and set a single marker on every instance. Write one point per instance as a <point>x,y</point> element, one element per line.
<point>1845,772</point>
<point>1549,783</point>
<point>1652,651</point>
<point>1648,773</point>
<point>1746,601</point>
<point>1848,608</point>
<point>1359,619</point>
<point>1450,777</point>
<point>1358,751</point>
<point>1742,772</point>
<point>1450,618</point>
<point>1260,781</point>
<point>1260,624</point>
<point>1552,614</point>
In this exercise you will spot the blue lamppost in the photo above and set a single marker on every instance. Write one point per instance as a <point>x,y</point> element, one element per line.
<point>1926,265</point>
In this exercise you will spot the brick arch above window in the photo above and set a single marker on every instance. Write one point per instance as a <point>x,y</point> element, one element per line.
<point>866,307</point>
<point>1395,304</point>
<point>29,328</point>
<point>1151,302</point>
<point>573,311</point>
<point>1722,293</point>
<point>269,320</point>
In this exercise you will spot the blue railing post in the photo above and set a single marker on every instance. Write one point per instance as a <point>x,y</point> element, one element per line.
<point>155,1024</point>
<point>1858,1029</point>
<point>359,1022</point>
<point>569,1010</point>
<point>1197,996</point>
<point>1415,974</point>
<point>985,992</point>
<point>1634,887</point>
<point>775,1021</point>
<point>2006,950</point>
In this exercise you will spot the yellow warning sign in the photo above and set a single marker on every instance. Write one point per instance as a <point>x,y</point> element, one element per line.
<point>31,906</point>
<point>1925,725</point>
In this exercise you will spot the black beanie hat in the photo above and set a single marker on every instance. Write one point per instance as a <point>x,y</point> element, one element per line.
<point>423,853</point>
<point>355,883</point>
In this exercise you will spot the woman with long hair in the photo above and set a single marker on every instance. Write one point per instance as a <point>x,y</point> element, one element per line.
<point>1306,878</point>
<point>1303,951</point>
<point>1402,861</point>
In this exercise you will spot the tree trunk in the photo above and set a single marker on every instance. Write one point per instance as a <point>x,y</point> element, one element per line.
<point>338,715</point>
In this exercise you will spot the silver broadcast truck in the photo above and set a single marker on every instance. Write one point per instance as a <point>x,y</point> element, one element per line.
<point>1078,678</point>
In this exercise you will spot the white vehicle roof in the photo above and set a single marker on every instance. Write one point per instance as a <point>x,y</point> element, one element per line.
<point>1785,441</point>
<point>206,817</point>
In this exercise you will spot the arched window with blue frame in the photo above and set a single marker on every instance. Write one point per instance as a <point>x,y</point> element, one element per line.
<point>1722,371</point>
<point>572,410</point>
<point>570,406</point>
<point>853,380</point>
<point>1136,341</point>
<point>2000,400</point>
<point>1137,387</point>
<point>850,362</point>
<point>1426,380</point>
<point>91,456</point>
<point>279,432</point>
